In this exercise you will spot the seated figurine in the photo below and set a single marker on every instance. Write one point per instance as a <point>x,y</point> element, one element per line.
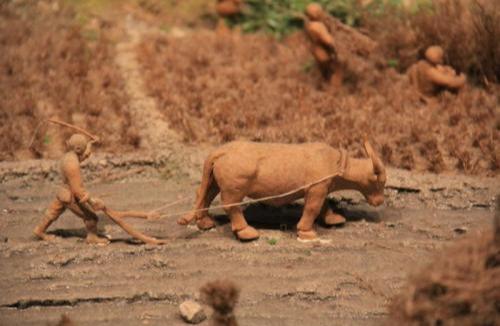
<point>430,76</point>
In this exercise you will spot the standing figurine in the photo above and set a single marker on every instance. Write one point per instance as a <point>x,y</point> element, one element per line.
<point>430,76</point>
<point>323,46</point>
<point>73,195</point>
<point>338,48</point>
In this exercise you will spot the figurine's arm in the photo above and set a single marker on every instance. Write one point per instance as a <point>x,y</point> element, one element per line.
<point>318,31</point>
<point>445,79</point>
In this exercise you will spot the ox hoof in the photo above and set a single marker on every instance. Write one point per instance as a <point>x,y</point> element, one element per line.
<point>247,234</point>
<point>205,223</point>
<point>334,219</point>
<point>96,240</point>
<point>304,236</point>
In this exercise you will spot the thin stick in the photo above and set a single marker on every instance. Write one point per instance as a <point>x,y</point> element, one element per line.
<point>69,125</point>
<point>36,132</point>
<point>114,216</point>
<point>183,199</point>
<point>61,123</point>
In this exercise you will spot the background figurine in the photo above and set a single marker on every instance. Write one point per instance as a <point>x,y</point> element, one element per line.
<point>277,174</point>
<point>430,76</point>
<point>228,8</point>
<point>73,195</point>
<point>337,48</point>
<point>322,44</point>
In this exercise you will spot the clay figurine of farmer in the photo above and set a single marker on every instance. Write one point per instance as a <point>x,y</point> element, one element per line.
<point>322,44</point>
<point>228,8</point>
<point>430,76</point>
<point>72,195</point>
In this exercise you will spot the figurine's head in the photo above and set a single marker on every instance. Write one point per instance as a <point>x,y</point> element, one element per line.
<point>314,11</point>
<point>373,185</point>
<point>79,144</point>
<point>434,54</point>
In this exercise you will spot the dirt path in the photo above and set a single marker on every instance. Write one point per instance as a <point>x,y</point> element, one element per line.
<point>154,130</point>
<point>347,281</point>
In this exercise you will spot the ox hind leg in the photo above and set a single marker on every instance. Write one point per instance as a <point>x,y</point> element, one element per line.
<point>204,220</point>
<point>314,200</point>
<point>204,198</point>
<point>239,225</point>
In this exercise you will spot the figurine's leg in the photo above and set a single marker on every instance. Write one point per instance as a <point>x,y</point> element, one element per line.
<point>205,221</point>
<point>337,76</point>
<point>55,210</point>
<point>238,223</point>
<point>329,217</point>
<point>314,200</point>
<point>90,219</point>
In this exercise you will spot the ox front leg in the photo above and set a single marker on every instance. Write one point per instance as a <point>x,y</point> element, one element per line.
<point>239,225</point>
<point>314,200</point>
<point>331,218</point>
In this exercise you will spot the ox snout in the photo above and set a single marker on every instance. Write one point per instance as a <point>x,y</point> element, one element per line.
<point>376,200</point>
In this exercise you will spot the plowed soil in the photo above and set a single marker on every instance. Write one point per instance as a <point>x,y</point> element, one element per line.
<point>348,280</point>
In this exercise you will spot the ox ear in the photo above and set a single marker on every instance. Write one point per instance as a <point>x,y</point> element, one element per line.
<point>378,166</point>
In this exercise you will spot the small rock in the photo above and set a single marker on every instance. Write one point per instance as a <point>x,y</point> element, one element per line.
<point>460,230</point>
<point>192,312</point>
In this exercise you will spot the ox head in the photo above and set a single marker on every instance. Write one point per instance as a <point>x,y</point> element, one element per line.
<point>373,185</point>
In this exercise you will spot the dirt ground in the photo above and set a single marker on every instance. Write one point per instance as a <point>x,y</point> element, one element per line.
<point>349,280</point>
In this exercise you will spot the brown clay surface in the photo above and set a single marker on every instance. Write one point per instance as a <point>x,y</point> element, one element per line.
<point>348,280</point>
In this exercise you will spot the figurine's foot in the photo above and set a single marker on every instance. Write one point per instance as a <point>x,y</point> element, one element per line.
<point>46,237</point>
<point>334,219</point>
<point>247,234</point>
<point>157,242</point>
<point>305,236</point>
<point>205,223</point>
<point>97,240</point>
<point>186,219</point>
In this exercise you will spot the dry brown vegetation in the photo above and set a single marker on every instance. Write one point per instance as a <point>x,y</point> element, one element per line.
<point>51,67</point>
<point>468,30</point>
<point>216,88</point>
<point>461,287</point>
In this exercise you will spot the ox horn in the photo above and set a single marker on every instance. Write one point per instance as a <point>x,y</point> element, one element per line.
<point>378,166</point>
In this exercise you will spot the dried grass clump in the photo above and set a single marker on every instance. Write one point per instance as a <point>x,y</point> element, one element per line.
<point>51,67</point>
<point>217,88</point>
<point>222,296</point>
<point>461,287</point>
